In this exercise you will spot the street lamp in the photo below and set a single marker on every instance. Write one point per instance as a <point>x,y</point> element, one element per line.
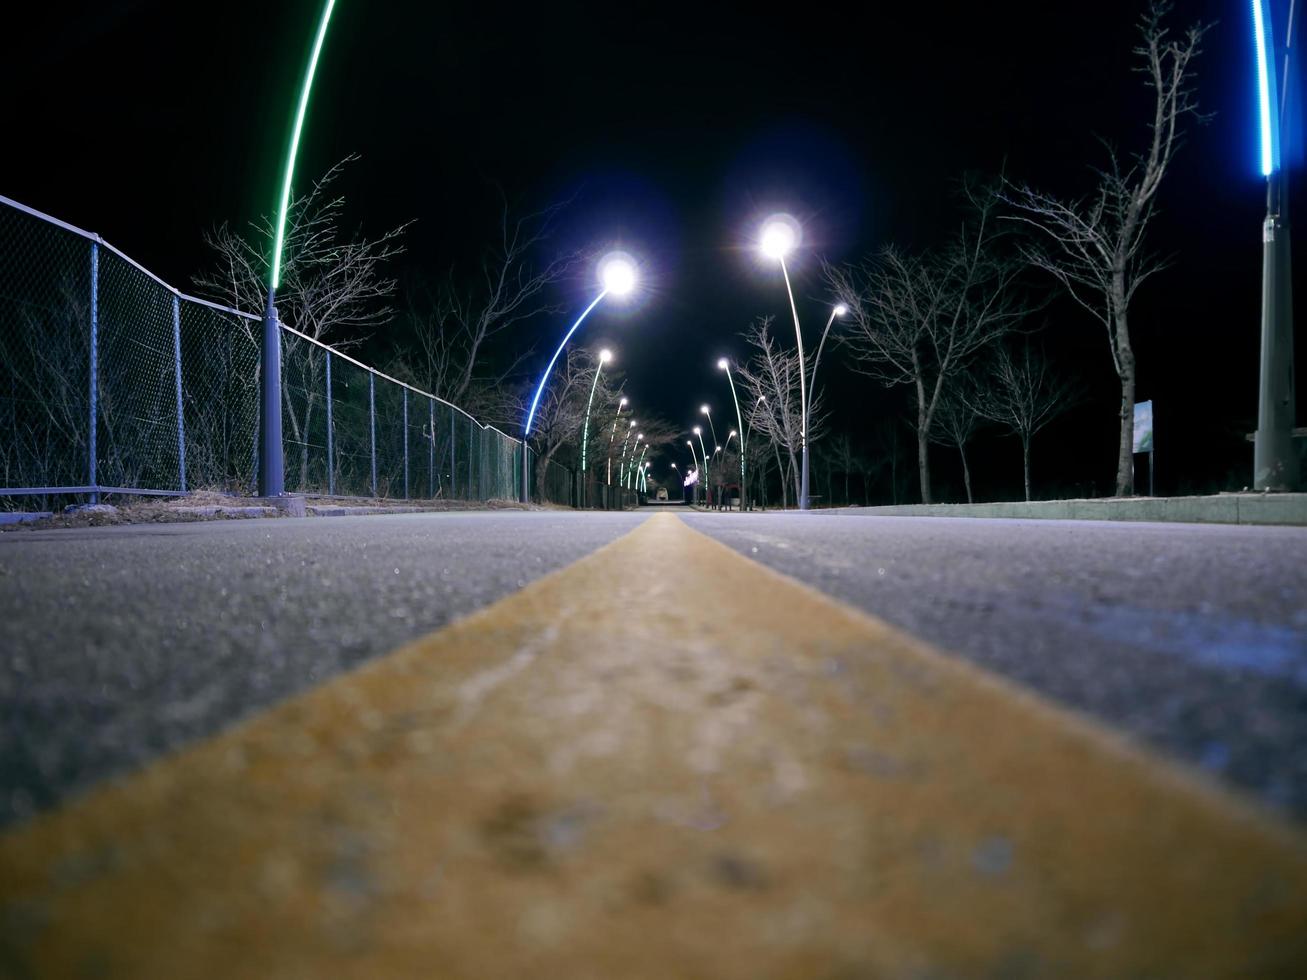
<point>707,474</point>
<point>780,236</point>
<point>694,491</point>
<point>629,477</point>
<point>639,465</point>
<point>1275,465</point>
<point>617,278</point>
<point>272,463</point>
<point>724,365</point>
<point>712,428</point>
<point>621,468</point>
<point>620,405</point>
<point>604,357</point>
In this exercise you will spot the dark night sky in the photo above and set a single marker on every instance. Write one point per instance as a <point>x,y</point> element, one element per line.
<point>149,121</point>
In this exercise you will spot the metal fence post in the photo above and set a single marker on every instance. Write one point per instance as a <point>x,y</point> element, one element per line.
<point>177,374</point>
<point>331,437</point>
<point>372,425</point>
<point>405,390</point>
<point>431,448</point>
<point>272,463</point>
<point>94,366</point>
<point>453,483</point>
<point>469,456</point>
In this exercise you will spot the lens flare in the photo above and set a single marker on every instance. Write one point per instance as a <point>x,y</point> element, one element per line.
<point>780,236</point>
<point>617,273</point>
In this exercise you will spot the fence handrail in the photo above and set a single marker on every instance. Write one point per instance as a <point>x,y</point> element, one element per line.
<point>403,384</point>
<point>92,236</point>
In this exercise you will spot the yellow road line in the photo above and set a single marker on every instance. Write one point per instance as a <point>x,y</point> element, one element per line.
<point>661,761</point>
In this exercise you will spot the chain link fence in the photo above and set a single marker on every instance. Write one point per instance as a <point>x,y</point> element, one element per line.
<point>114,382</point>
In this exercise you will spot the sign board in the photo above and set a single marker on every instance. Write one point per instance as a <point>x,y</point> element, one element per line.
<point>1144,426</point>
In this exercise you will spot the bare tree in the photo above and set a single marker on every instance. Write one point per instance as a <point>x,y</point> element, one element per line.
<point>771,379</point>
<point>956,421</point>
<point>456,323</point>
<point>1025,395</point>
<point>332,286</point>
<point>919,320</point>
<point>1094,246</point>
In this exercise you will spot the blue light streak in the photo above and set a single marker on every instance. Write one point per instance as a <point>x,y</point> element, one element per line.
<point>1266,99</point>
<point>545,377</point>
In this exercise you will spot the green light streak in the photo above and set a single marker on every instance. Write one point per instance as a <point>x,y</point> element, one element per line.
<point>295,143</point>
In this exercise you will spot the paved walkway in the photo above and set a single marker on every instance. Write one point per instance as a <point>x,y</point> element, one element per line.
<point>663,760</point>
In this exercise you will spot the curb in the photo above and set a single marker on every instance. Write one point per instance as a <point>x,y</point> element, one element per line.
<point>1281,509</point>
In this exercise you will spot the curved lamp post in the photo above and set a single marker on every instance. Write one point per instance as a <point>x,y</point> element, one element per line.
<point>621,469</point>
<point>629,476</point>
<point>272,464</point>
<point>694,490</point>
<point>612,435</point>
<point>1275,464</point>
<point>604,357</point>
<point>780,236</point>
<point>707,473</point>
<point>724,365</point>
<point>616,277</point>
<point>837,311</point>
<point>639,466</point>
<point>704,409</point>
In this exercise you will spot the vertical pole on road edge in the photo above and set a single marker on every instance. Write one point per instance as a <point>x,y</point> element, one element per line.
<point>94,370</point>
<point>331,437</point>
<point>177,376</point>
<point>405,390</point>
<point>272,464</point>
<point>453,482</point>
<point>431,448</point>
<point>372,425</point>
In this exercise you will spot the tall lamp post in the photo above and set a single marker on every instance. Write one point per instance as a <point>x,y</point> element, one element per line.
<point>724,365</point>
<point>707,473</point>
<point>639,467</point>
<point>621,467</point>
<point>604,357</point>
<point>711,428</point>
<point>694,490</point>
<point>1275,464</point>
<point>620,405</point>
<point>616,277</point>
<point>780,235</point>
<point>838,310</point>
<point>629,478</point>
<point>272,462</point>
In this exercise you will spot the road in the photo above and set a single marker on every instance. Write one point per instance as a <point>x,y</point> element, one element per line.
<point>134,652</point>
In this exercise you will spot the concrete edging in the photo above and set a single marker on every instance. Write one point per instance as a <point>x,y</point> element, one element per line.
<point>1226,508</point>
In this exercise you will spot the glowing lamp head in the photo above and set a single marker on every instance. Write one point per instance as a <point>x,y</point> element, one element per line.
<point>841,309</point>
<point>722,364</point>
<point>697,431</point>
<point>690,444</point>
<point>705,410</point>
<point>631,424</point>
<point>605,356</point>
<point>639,436</point>
<point>780,236</point>
<point>622,403</point>
<point>617,273</point>
<point>732,432</point>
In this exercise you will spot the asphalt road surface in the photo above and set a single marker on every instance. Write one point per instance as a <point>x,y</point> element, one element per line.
<point>120,643</point>
<point>344,746</point>
<point>1191,637</point>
